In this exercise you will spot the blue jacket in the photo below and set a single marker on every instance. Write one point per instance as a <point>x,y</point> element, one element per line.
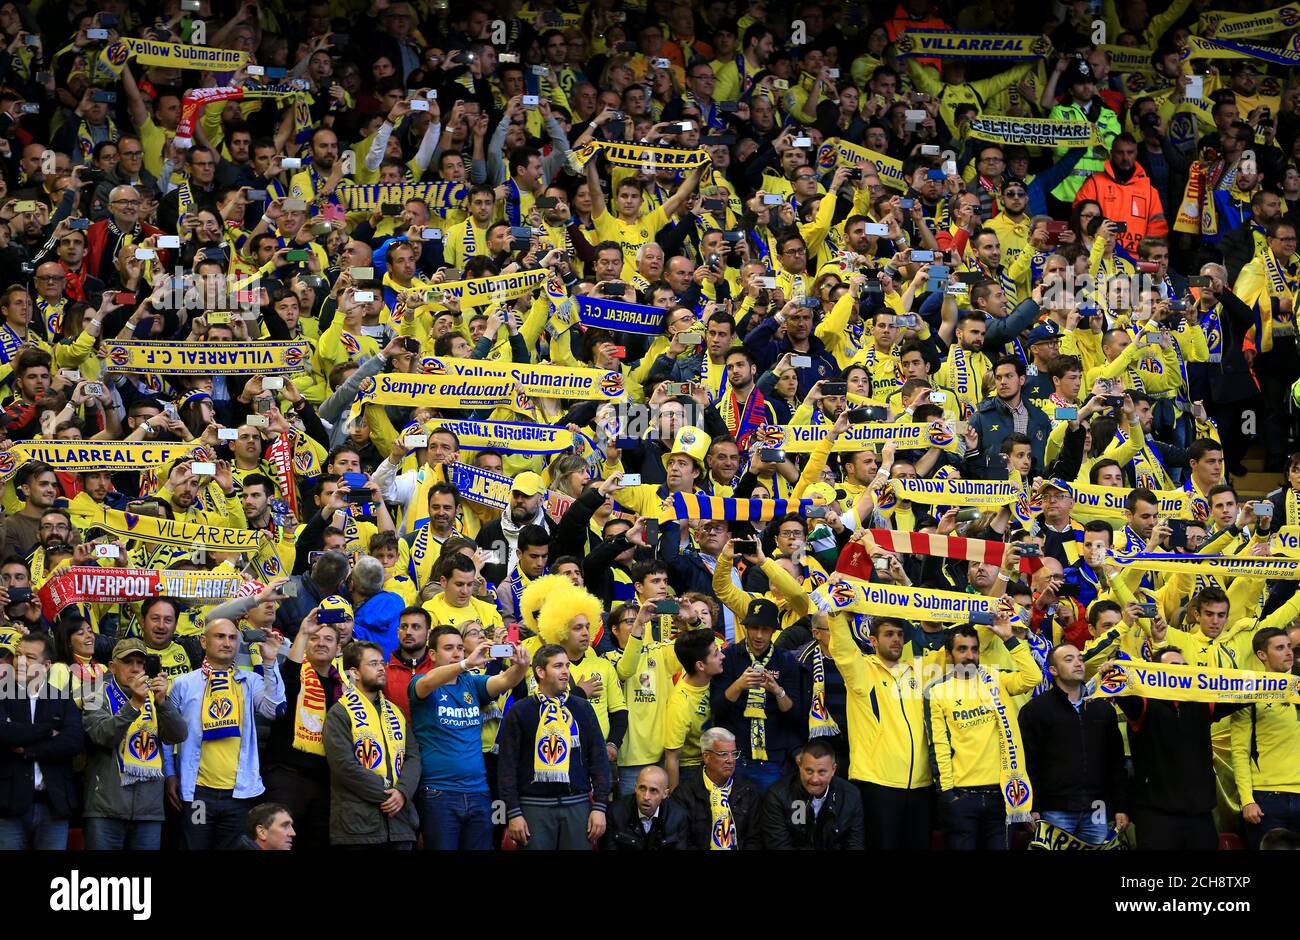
<point>992,421</point>
<point>376,620</point>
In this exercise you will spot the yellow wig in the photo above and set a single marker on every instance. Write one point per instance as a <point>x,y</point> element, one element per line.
<point>530,602</point>
<point>563,604</point>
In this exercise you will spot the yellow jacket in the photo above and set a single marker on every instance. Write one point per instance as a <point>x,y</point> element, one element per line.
<point>888,743</point>
<point>1265,749</point>
<point>963,726</point>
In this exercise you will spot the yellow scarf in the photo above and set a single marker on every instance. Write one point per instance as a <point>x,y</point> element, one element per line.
<point>378,734</point>
<point>557,736</point>
<point>722,828</point>
<point>756,712</point>
<point>820,722</point>
<point>1012,777</point>
<point>309,713</point>
<point>139,755</point>
<point>222,705</point>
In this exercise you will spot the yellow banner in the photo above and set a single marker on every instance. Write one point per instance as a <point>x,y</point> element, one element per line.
<point>1032,132</point>
<point>1198,48</point>
<point>889,170</point>
<point>956,44</point>
<point>481,291</point>
<point>473,383</point>
<point>1107,502</point>
<point>981,494</point>
<point>178,55</point>
<point>1216,25</point>
<point>642,156</point>
<point>178,534</point>
<point>804,438</point>
<point>1225,566</point>
<point>1193,683</point>
<point>1125,59</point>
<point>260,357</point>
<point>889,600</point>
<point>89,456</point>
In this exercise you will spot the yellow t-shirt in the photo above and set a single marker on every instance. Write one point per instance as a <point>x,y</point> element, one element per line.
<point>688,711</point>
<point>219,759</point>
<point>646,673</point>
<point>443,613</point>
<point>630,235</point>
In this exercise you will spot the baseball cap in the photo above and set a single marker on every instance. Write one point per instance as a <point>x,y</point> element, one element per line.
<point>125,648</point>
<point>528,483</point>
<point>762,613</point>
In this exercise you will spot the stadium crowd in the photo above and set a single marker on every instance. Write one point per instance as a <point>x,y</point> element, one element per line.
<point>572,425</point>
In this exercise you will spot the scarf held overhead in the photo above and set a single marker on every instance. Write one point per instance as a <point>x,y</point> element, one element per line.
<point>805,438</point>
<point>637,156</point>
<point>92,456</point>
<point>953,44</point>
<point>259,357</point>
<point>887,600</point>
<point>92,584</point>
<point>1185,683</point>
<point>196,99</point>
<point>1032,132</point>
<point>470,383</point>
<point>835,150</point>
<point>613,314</point>
<point>179,534</point>
<point>356,197</point>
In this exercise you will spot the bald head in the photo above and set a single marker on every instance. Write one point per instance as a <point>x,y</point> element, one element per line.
<point>220,642</point>
<point>651,788</point>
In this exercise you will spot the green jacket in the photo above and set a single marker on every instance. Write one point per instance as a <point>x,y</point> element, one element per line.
<point>1094,161</point>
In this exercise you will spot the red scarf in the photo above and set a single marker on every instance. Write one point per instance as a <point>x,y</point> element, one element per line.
<point>75,286</point>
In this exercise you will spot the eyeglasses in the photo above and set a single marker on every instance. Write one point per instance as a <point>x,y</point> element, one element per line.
<point>124,202</point>
<point>130,153</point>
<point>51,277</point>
<point>473,631</point>
<point>724,756</point>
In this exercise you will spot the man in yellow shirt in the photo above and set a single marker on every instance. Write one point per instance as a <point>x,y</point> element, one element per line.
<point>700,656</point>
<point>456,603</point>
<point>965,730</point>
<point>1266,749</point>
<point>627,225</point>
<point>466,239</point>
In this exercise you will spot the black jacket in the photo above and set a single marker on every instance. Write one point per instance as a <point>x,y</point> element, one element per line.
<point>692,796</point>
<point>1231,380</point>
<point>1172,762</point>
<point>669,830</point>
<point>52,739</point>
<point>785,730</point>
<point>789,822</point>
<point>1073,757</point>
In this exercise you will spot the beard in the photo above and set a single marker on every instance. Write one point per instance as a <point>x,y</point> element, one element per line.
<point>520,515</point>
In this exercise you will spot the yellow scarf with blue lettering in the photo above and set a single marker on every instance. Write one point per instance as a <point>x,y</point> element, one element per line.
<point>378,734</point>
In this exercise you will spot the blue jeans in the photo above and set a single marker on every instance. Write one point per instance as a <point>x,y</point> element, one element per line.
<point>451,821</point>
<point>1082,824</point>
<point>116,834</point>
<point>214,820</point>
<point>1281,811</point>
<point>761,773</point>
<point>973,818</point>
<point>35,829</point>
